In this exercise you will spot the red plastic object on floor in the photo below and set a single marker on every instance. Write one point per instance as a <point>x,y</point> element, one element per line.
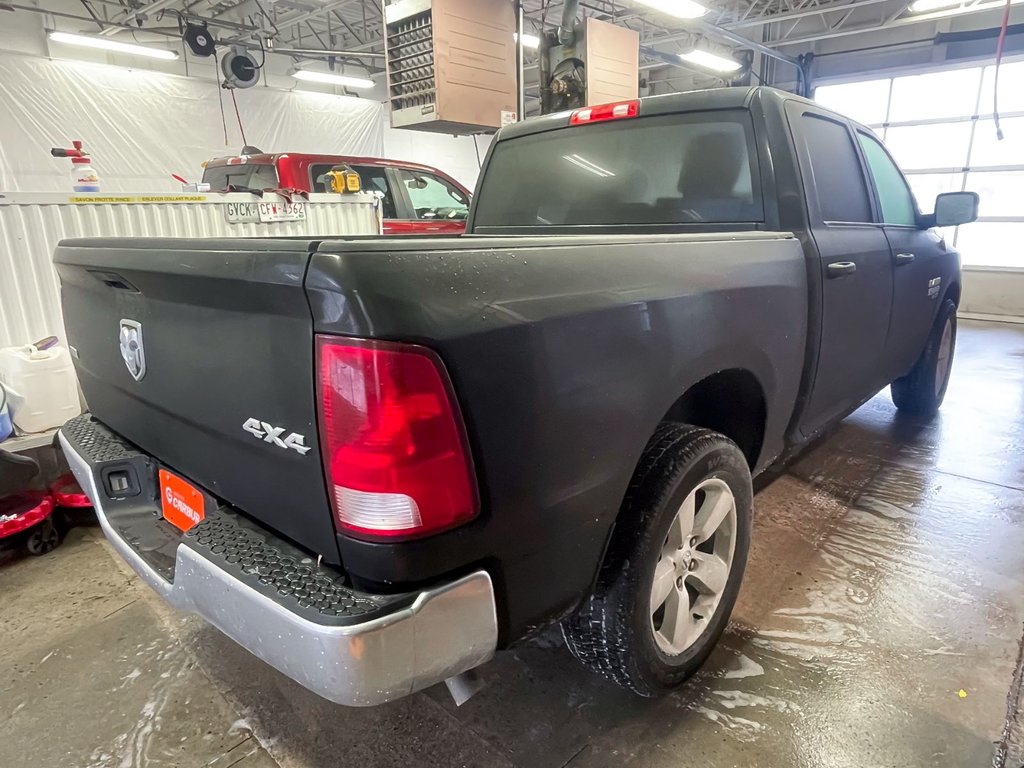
<point>21,511</point>
<point>68,493</point>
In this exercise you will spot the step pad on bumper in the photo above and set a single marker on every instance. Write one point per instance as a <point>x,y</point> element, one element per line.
<point>95,442</point>
<point>250,553</point>
<point>285,573</point>
<point>270,597</point>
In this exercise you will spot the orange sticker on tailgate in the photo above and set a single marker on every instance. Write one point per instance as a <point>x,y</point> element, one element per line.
<point>182,503</point>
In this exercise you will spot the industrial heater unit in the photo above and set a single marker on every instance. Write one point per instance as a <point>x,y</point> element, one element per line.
<point>451,64</point>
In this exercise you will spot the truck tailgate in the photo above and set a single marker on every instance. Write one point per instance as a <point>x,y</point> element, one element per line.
<point>222,391</point>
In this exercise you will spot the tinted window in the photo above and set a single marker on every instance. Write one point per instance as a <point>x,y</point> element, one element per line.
<point>373,178</point>
<point>432,197</point>
<point>835,175</point>
<point>667,169</point>
<point>893,194</point>
<point>251,175</point>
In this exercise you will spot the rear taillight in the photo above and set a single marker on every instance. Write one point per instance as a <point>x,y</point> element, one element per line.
<point>602,112</point>
<point>393,442</point>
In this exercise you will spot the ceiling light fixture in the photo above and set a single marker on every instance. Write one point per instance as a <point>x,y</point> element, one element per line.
<point>332,79</point>
<point>681,9</point>
<point>116,46</point>
<point>710,61</point>
<point>529,41</point>
<point>923,6</point>
<point>941,8</point>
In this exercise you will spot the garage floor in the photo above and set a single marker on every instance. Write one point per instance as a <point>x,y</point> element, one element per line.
<point>880,624</point>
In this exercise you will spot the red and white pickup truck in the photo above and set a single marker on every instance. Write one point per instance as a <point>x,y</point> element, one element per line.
<point>418,199</point>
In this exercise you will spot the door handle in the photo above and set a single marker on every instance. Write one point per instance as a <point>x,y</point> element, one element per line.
<point>904,258</point>
<point>841,269</point>
<point>113,280</point>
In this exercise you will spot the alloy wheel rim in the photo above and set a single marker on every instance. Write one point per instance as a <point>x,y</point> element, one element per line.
<point>693,566</point>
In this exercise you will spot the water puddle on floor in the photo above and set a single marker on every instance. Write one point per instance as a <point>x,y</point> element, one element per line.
<point>900,605</point>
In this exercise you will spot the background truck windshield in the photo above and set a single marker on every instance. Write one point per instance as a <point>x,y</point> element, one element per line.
<point>666,169</point>
<point>251,175</point>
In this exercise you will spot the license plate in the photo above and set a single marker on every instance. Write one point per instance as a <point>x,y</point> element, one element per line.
<point>182,503</point>
<point>282,211</point>
<point>241,213</point>
<point>264,212</point>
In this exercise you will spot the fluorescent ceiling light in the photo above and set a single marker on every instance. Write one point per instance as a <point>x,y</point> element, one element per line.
<point>923,6</point>
<point>944,8</point>
<point>529,41</point>
<point>332,79</point>
<point>107,44</point>
<point>710,61</point>
<point>681,9</point>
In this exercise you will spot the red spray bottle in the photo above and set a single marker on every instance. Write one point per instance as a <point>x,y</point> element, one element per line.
<point>83,176</point>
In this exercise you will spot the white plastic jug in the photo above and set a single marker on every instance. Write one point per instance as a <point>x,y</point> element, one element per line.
<point>5,416</point>
<point>42,390</point>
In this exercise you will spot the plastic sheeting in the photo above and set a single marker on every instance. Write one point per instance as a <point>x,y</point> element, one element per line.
<point>140,126</point>
<point>31,225</point>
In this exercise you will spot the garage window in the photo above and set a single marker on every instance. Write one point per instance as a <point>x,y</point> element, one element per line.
<point>938,127</point>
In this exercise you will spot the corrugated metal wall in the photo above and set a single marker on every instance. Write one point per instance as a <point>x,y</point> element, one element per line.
<point>31,225</point>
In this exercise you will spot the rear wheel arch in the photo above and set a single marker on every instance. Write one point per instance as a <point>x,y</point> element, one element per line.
<point>731,402</point>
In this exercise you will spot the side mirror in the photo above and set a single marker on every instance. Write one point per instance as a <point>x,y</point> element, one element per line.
<point>955,208</point>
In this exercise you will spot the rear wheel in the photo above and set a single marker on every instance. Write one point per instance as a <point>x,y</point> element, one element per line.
<point>674,565</point>
<point>922,390</point>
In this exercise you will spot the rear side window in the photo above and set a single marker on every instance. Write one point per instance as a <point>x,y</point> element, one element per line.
<point>835,174</point>
<point>250,175</point>
<point>893,193</point>
<point>373,178</point>
<point>667,169</point>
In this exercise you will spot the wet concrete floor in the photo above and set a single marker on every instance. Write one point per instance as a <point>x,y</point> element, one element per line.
<point>880,624</point>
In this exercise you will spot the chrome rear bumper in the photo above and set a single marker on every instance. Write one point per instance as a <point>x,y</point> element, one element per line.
<point>441,632</point>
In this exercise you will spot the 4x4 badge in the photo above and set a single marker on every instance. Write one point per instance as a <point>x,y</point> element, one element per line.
<point>271,434</point>
<point>132,351</point>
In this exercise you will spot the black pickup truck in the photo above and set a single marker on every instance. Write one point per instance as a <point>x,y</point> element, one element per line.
<point>374,462</point>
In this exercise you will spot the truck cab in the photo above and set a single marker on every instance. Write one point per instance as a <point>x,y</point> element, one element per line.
<point>417,199</point>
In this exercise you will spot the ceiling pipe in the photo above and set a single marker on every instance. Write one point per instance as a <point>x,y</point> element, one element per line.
<point>316,52</point>
<point>138,14</point>
<point>820,10</point>
<point>902,21</point>
<point>741,41</point>
<point>306,53</point>
<point>63,15</point>
<point>567,29</point>
<point>668,58</point>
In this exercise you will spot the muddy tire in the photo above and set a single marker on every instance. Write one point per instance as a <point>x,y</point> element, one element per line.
<point>922,390</point>
<point>674,565</point>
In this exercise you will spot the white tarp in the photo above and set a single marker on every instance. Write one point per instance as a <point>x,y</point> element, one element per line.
<point>140,126</point>
<point>31,225</point>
